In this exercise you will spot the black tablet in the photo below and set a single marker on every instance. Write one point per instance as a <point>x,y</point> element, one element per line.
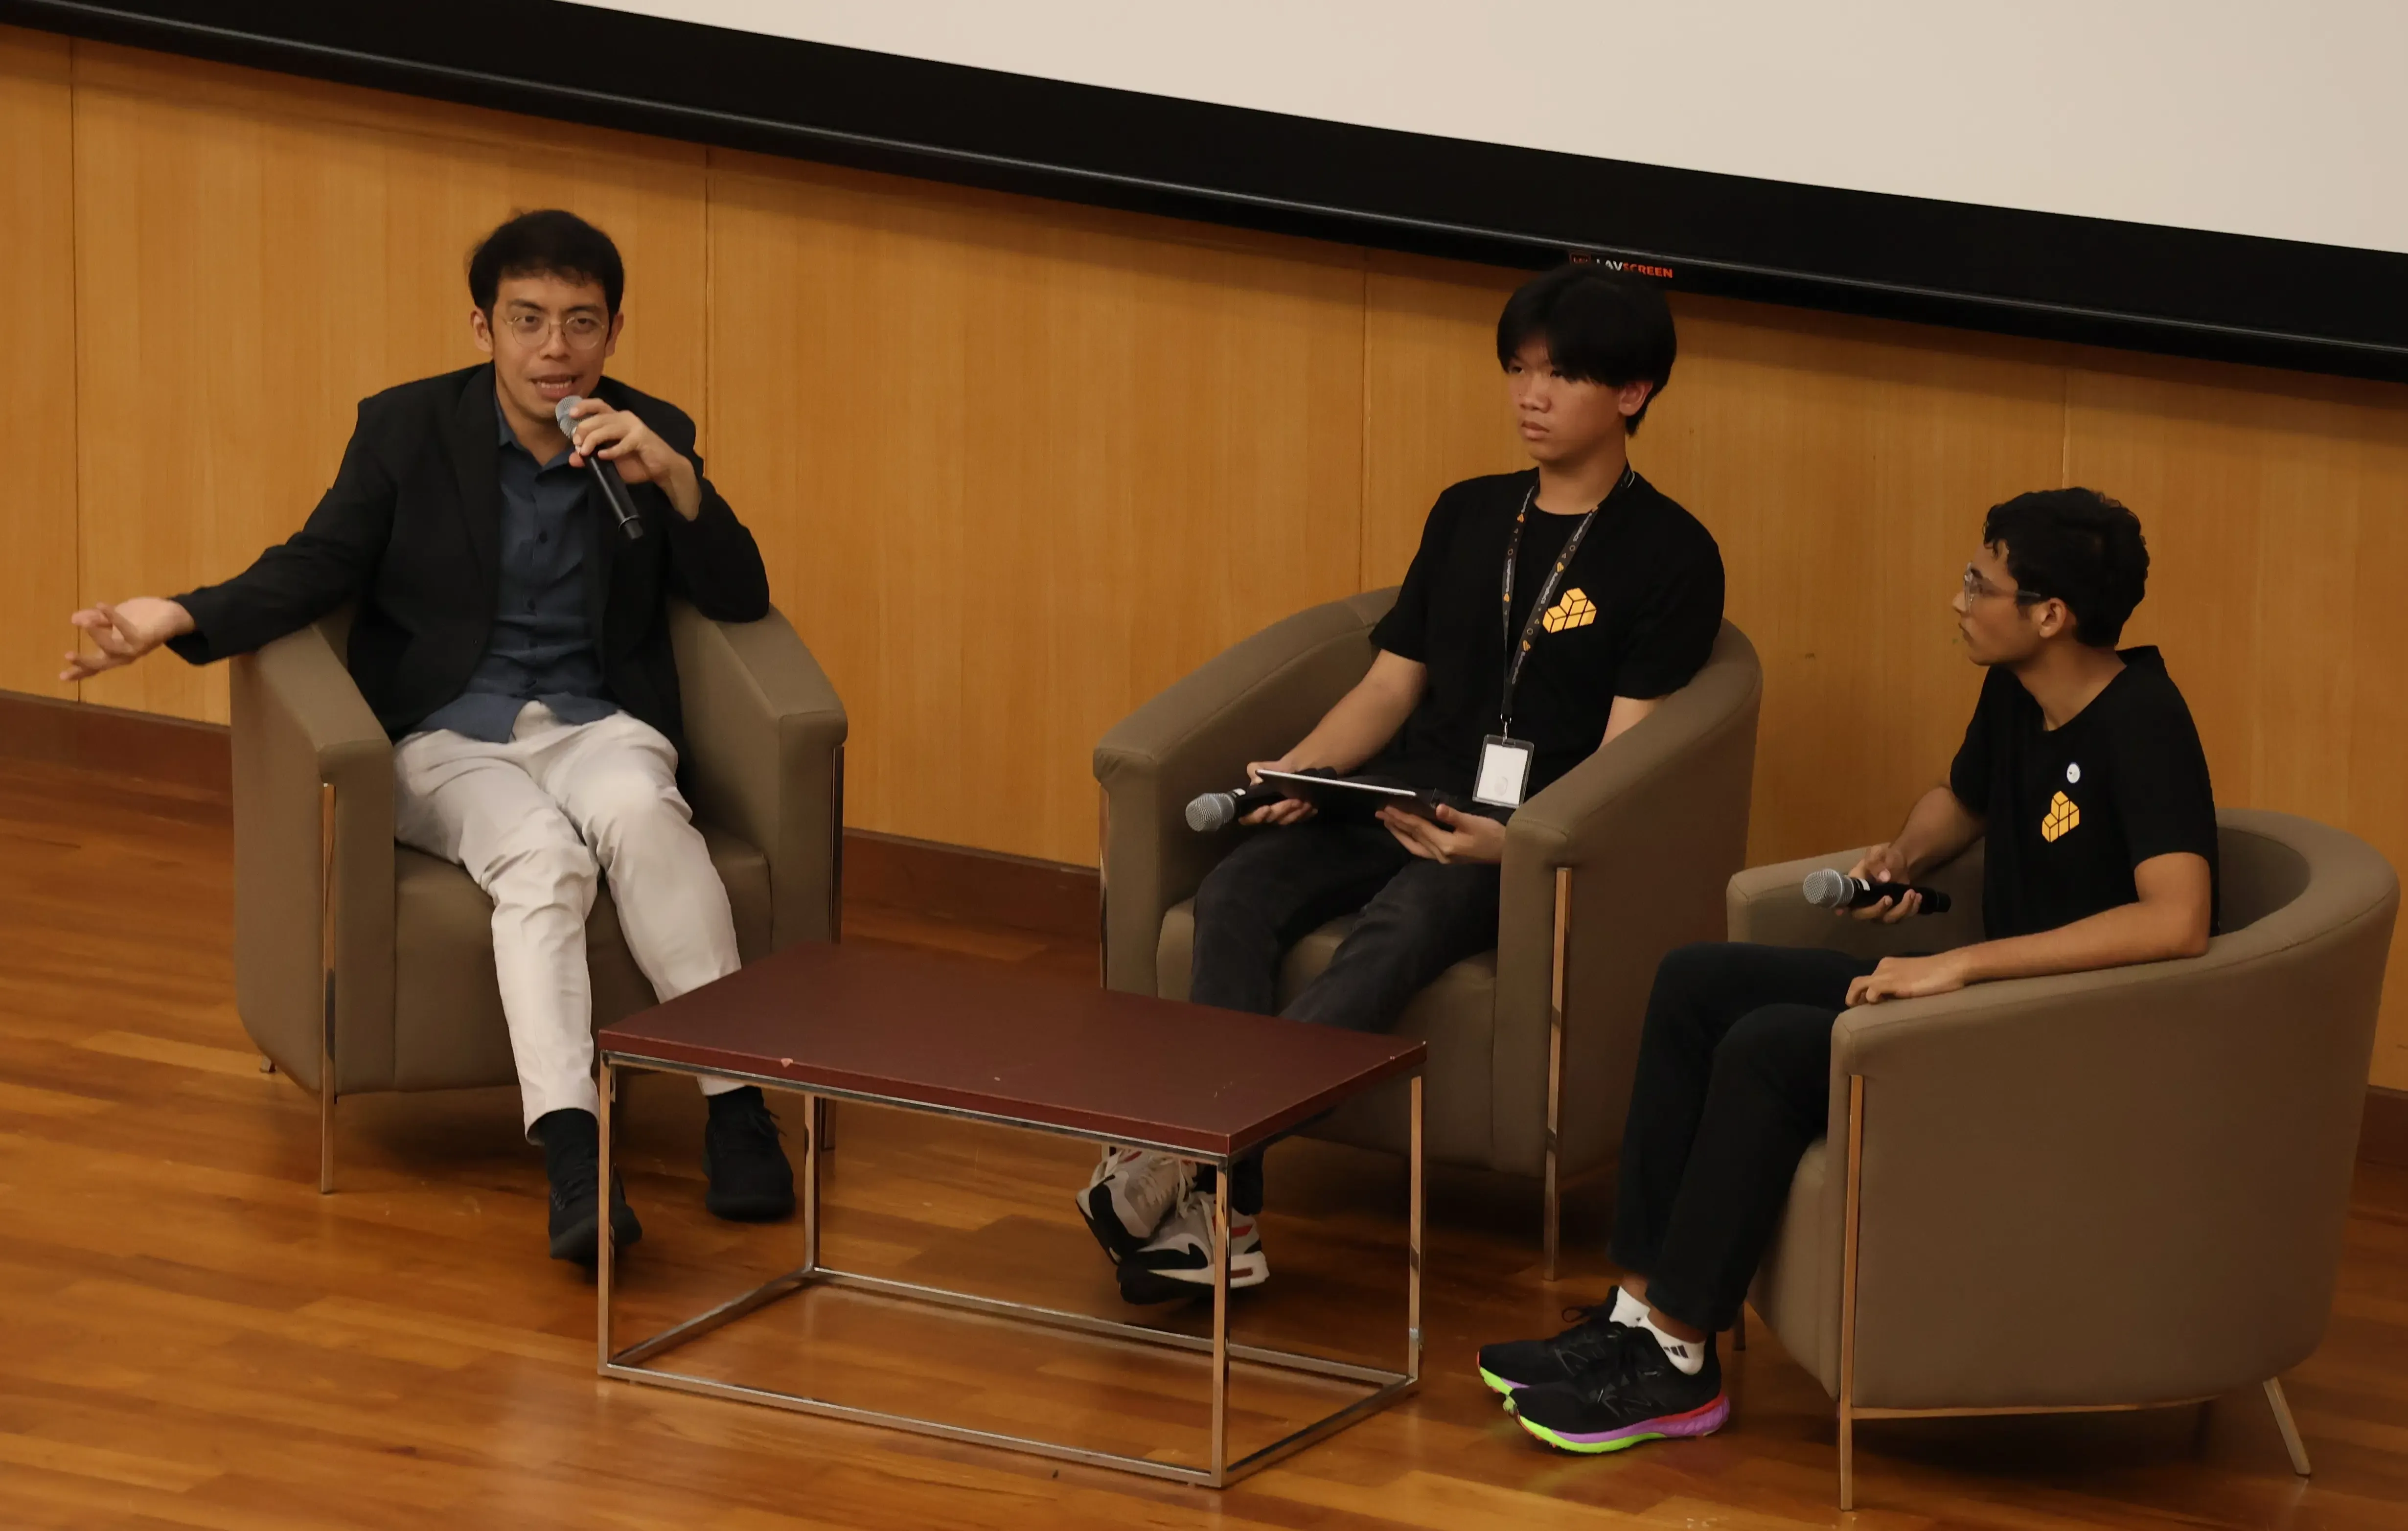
<point>1337,792</point>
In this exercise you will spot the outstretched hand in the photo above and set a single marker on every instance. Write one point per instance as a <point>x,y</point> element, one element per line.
<point>124,633</point>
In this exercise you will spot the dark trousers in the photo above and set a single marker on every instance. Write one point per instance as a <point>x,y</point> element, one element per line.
<point>1733,1084</point>
<point>1418,919</point>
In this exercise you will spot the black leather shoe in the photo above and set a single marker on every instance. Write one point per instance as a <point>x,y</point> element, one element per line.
<point>572,1161</point>
<point>750,1181</point>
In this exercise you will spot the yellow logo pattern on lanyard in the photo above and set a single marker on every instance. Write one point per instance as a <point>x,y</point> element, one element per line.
<point>2064,818</point>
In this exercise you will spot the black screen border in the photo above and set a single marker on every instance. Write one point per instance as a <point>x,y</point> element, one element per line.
<point>2133,286</point>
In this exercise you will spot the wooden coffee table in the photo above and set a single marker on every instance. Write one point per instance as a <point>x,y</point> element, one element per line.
<point>960,1040</point>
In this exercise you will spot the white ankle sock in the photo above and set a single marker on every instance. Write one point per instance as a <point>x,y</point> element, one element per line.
<point>1627,1309</point>
<point>1689,1356</point>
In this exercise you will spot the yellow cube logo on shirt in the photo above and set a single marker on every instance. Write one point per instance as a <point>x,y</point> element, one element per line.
<point>2063,818</point>
<point>1574,610</point>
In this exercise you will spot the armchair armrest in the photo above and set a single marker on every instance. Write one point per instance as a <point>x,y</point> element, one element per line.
<point>1651,827</point>
<point>1249,702</point>
<point>2170,1143</point>
<point>300,722</point>
<point>764,744</point>
<point>1766,904</point>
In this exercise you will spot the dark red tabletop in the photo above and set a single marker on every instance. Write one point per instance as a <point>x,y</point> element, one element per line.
<point>939,1031</point>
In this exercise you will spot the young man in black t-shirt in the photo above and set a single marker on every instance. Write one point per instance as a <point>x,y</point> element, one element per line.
<point>2084,773</point>
<point>1546,612</point>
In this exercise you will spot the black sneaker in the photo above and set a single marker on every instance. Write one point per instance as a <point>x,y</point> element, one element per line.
<point>1632,1394</point>
<point>1510,1365</point>
<point>572,1161</point>
<point>750,1181</point>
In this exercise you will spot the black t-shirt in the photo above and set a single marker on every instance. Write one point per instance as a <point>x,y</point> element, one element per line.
<point>2071,813</point>
<point>1635,614</point>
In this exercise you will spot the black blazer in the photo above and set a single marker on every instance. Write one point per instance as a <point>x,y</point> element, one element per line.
<point>411,531</point>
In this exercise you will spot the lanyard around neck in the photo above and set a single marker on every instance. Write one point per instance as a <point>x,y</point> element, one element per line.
<point>1518,652</point>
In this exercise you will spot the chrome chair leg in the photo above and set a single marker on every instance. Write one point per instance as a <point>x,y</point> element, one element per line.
<point>1551,1231</point>
<point>329,911</point>
<point>1550,1220</point>
<point>2282,1421</point>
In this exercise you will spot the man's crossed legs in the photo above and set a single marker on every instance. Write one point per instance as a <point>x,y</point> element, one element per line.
<point>1419,918</point>
<point>537,821</point>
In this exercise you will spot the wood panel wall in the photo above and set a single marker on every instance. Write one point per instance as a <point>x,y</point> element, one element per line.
<point>38,401</point>
<point>1027,463</point>
<point>1016,465</point>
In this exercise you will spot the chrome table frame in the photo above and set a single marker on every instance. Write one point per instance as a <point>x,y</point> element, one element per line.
<point>629,1364</point>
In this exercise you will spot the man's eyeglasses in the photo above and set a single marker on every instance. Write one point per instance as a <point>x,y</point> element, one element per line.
<point>583,332</point>
<point>1976,588</point>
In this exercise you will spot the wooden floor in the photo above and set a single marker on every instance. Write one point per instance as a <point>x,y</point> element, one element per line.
<point>191,1336</point>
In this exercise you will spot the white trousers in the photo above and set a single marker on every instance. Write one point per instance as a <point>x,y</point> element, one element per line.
<point>537,821</point>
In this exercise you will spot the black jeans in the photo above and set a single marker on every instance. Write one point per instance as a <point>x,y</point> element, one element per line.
<point>1733,1084</point>
<point>1419,919</point>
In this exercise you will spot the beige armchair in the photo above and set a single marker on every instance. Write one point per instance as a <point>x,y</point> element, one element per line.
<point>1532,1046</point>
<point>2098,1191</point>
<point>363,966</point>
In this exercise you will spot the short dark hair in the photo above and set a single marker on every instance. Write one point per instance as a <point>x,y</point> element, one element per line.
<point>1599,327</point>
<point>2080,546</point>
<point>547,242</point>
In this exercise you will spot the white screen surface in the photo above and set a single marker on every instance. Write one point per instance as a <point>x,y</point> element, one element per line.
<point>2288,121</point>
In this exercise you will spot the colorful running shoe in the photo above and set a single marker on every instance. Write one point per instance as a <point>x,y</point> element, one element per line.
<point>1510,1365</point>
<point>1635,1393</point>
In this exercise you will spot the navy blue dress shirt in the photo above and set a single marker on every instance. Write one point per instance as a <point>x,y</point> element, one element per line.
<point>542,644</point>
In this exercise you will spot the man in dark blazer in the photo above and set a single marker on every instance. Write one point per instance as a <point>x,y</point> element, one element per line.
<point>513,640</point>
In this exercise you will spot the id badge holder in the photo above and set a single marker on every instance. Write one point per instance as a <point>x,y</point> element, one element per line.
<point>1504,771</point>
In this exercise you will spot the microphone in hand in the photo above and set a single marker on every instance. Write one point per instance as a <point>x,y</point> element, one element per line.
<point>614,489</point>
<point>1833,889</point>
<point>1220,809</point>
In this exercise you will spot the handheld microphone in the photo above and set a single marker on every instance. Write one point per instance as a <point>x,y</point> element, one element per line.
<point>614,489</point>
<point>1220,809</point>
<point>1830,890</point>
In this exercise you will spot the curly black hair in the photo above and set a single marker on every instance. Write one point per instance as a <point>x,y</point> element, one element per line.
<point>2080,546</point>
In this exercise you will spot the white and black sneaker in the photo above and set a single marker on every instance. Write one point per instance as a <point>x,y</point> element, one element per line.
<point>1177,1262</point>
<point>1128,1196</point>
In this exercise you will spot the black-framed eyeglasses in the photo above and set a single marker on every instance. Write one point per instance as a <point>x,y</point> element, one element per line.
<point>1977,587</point>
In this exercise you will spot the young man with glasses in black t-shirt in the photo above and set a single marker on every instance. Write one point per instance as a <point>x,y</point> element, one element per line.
<point>2083,772</point>
<point>1546,612</point>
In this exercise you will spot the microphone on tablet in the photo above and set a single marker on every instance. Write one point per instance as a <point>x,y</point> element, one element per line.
<point>1220,809</point>
<point>1830,890</point>
<point>614,489</point>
